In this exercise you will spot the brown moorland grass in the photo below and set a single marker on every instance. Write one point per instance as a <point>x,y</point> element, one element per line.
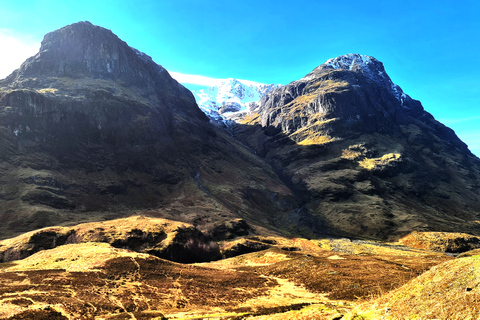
<point>294,278</point>
<point>88,280</point>
<point>345,277</point>
<point>448,291</point>
<point>115,281</point>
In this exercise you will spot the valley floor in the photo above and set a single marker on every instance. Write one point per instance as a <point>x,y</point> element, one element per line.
<point>289,278</point>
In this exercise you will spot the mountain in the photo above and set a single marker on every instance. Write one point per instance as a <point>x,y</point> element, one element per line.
<point>93,129</point>
<point>230,97</point>
<point>368,160</point>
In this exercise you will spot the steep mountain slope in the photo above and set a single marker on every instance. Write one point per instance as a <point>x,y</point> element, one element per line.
<point>368,159</point>
<point>230,96</point>
<point>91,128</point>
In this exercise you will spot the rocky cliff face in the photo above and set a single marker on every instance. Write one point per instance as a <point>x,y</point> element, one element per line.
<point>90,127</point>
<point>368,159</point>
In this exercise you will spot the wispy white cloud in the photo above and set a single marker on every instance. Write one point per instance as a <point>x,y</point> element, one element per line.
<point>14,52</point>
<point>195,79</point>
<point>204,81</point>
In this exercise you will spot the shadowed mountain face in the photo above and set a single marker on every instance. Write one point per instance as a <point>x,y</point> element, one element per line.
<point>91,128</point>
<point>368,159</point>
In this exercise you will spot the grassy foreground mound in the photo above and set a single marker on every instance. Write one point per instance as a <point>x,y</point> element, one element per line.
<point>451,242</point>
<point>448,291</point>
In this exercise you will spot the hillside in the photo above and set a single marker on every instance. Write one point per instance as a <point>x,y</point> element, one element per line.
<point>447,291</point>
<point>111,270</point>
<point>367,159</point>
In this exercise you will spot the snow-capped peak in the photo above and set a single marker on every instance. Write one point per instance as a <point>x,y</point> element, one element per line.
<point>348,61</point>
<point>229,96</point>
<point>367,65</point>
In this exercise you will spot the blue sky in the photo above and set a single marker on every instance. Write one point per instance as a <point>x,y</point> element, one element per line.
<point>430,48</point>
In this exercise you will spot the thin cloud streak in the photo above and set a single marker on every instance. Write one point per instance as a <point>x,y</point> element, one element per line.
<point>195,79</point>
<point>205,81</point>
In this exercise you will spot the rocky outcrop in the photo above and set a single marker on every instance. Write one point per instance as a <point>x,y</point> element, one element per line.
<point>350,94</point>
<point>163,238</point>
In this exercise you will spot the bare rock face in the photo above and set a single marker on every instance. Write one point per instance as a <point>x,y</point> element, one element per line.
<point>86,89</point>
<point>367,159</point>
<point>92,128</point>
<point>84,50</point>
<point>353,93</point>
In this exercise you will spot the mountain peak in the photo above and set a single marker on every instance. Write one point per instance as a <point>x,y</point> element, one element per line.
<point>83,50</point>
<point>370,67</point>
<point>349,61</point>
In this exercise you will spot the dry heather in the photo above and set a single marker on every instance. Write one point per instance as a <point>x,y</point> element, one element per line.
<point>267,277</point>
<point>119,284</point>
<point>292,279</point>
<point>448,291</point>
<point>452,242</point>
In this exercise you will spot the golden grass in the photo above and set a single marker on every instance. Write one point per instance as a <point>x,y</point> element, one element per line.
<point>325,86</point>
<point>448,291</point>
<point>296,273</point>
<point>441,241</point>
<point>354,152</point>
<point>317,311</point>
<point>70,257</point>
<point>251,118</point>
<point>316,122</point>
<point>47,90</point>
<point>374,163</point>
<point>317,139</point>
<point>385,250</point>
<point>351,154</point>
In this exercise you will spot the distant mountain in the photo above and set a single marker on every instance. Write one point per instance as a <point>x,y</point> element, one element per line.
<point>230,96</point>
